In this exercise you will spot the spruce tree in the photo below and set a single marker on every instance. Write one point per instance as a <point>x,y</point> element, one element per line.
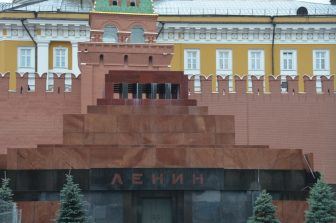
<point>5,191</point>
<point>264,210</point>
<point>6,201</point>
<point>6,196</point>
<point>322,204</point>
<point>72,206</point>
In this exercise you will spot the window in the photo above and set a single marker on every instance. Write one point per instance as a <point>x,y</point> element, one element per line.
<point>110,34</point>
<point>256,62</point>
<point>26,59</point>
<point>137,35</point>
<point>61,58</point>
<point>50,82</point>
<point>31,82</point>
<point>321,60</point>
<point>115,2</point>
<point>288,62</point>
<point>224,61</point>
<point>231,84</point>
<point>192,61</point>
<point>132,2</point>
<point>284,84</point>
<point>197,84</point>
<point>67,83</point>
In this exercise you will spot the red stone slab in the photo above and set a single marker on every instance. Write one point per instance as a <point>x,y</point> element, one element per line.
<point>111,156</point>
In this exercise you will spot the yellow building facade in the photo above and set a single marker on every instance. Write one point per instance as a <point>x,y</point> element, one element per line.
<point>244,39</point>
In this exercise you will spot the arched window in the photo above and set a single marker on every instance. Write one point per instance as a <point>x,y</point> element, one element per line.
<point>132,2</point>
<point>137,35</point>
<point>302,11</point>
<point>110,34</point>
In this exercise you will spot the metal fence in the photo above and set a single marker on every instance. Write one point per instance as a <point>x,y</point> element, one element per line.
<point>9,213</point>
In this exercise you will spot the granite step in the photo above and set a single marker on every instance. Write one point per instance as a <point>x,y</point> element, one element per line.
<point>148,110</point>
<point>149,138</point>
<point>87,157</point>
<point>112,123</point>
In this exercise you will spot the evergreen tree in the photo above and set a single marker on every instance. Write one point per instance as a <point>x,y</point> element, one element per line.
<point>72,206</point>
<point>264,210</point>
<point>6,201</point>
<point>5,191</point>
<point>322,205</point>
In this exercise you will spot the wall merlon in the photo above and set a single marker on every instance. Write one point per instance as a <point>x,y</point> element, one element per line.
<point>260,84</point>
<point>38,86</point>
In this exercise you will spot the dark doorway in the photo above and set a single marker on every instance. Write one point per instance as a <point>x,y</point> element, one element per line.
<point>156,210</point>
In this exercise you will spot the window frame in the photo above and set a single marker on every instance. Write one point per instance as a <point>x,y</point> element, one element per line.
<point>106,39</point>
<point>32,59</point>
<point>319,71</point>
<point>287,71</point>
<point>197,68</point>
<point>134,40</point>
<point>220,70</point>
<point>66,59</point>
<point>256,72</point>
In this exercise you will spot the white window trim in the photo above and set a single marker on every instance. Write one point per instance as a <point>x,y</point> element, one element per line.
<point>293,71</point>
<point>58,69</point>
<point>319,72</point>
<point>220,71</point>
<point>26,69</point>
<point>198,60</point>
<point>262,63</point>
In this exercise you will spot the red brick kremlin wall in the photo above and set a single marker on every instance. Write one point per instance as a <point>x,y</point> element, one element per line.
<point>306,121</point>
<point>31,118</point>
<point>296,121</point>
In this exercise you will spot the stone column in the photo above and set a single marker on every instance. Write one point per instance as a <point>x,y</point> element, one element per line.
<point>42,57</point>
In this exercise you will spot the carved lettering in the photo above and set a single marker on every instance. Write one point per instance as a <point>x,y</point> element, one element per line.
<point>137,178</point>
<point>156,178</point>
<point>117,179</point>
<point>177,178</point>
<point>198,178</point>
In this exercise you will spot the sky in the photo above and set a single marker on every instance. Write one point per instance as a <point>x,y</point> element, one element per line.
<point>319,1</point>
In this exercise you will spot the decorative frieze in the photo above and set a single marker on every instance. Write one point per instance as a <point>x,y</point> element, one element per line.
<point>241,33</point>
<point>45,30</point>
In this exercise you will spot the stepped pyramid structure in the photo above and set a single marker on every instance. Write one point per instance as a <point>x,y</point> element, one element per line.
<point>145,152</point>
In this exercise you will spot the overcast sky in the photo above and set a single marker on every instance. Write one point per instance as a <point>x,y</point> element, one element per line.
<point>322,1</point>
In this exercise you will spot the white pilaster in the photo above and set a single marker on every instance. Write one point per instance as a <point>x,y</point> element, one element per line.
<point>42,57</point>
<point>75,67</point>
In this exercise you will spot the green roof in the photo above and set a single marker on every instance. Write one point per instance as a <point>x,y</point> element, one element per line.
<point>145,7</point>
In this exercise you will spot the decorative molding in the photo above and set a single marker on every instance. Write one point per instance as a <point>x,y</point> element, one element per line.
<point>46,30</point>
<point>247,33</point>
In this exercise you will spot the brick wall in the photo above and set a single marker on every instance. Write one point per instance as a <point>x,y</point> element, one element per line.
<point>30,118</point>
<point>301,121</point>
<point>306,121</point>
